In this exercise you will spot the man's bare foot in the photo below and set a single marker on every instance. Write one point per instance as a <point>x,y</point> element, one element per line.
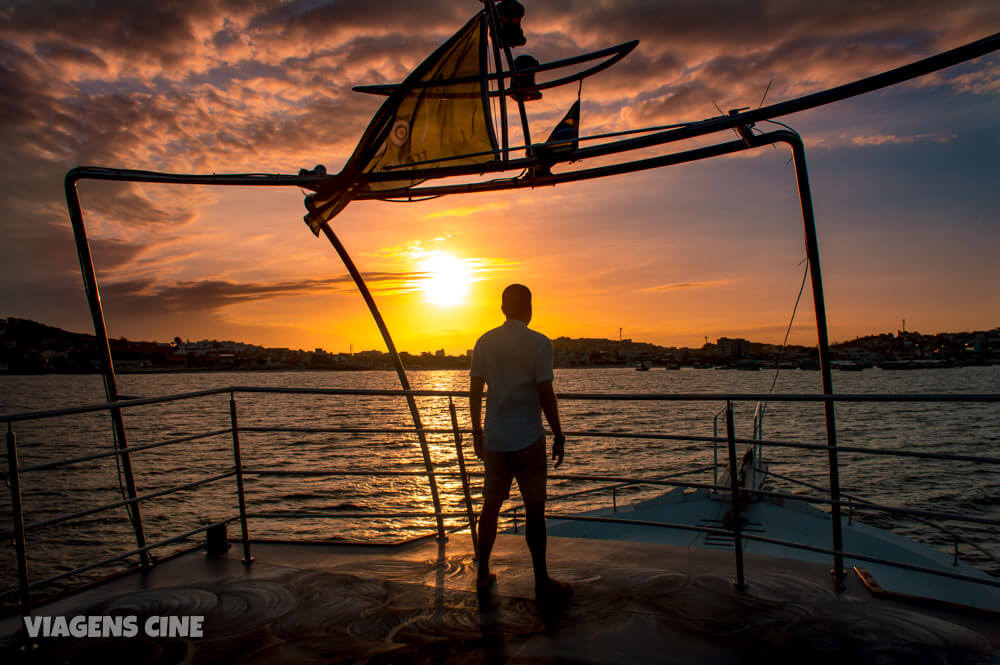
<point>553,591</point>
<point>485,582</point>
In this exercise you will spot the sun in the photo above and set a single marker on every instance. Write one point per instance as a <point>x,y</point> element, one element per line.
<point>448,278</point>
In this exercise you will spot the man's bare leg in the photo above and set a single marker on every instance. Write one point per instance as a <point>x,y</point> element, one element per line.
<point>534,532</point>
<point>488,518</point>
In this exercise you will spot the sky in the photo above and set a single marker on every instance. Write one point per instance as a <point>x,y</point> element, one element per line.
<point>904,180</point>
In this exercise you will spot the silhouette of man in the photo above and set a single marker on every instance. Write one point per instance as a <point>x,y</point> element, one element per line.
<point>517,364</point>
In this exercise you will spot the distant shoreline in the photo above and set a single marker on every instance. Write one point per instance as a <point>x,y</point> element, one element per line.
<point>249,370</point>
<point>28,347</point>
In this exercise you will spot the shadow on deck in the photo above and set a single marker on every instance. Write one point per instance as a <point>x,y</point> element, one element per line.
<point>633,603</point>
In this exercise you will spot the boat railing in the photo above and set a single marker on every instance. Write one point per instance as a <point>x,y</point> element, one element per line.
<point>764,471</point>
<point>853,501</point>
<point>715,444</point>
<point>238,472</point>
<point>758,434</point>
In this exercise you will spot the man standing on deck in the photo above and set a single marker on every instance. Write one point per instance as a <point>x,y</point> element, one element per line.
<point>517,364</point>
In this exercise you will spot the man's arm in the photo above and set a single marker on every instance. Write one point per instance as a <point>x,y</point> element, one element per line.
<point>550,408</point>
<point>476,384</point>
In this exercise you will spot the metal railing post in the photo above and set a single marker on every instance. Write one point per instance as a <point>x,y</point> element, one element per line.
<point>238,460</point>
<point>734,511</point>
<point>14,482</point>
<point>819,305</point>
<point>465,479</point>
<point>758,434</point>
<point>715,450</point>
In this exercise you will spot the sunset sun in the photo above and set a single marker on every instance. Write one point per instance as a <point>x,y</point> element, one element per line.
<point>448,279</point>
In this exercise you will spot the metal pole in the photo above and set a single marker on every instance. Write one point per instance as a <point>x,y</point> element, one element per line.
<point>465,479</point>
<point>734,511</point>
<point>715,450</point>
<point>400,371</point>
<point>14,482</point>
<point>104,349</point>
<point>498,62</point>
<point>238,460</point>
<point>812,252</point>
<point>492,10</point>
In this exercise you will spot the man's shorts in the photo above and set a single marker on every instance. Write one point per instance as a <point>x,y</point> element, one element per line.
<point>530,467</point>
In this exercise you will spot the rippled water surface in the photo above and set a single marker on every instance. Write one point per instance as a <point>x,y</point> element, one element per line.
<point>960,487</point>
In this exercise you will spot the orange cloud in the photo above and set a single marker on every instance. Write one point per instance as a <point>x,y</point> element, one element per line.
<point>465,211</point>
<point>676,286</point>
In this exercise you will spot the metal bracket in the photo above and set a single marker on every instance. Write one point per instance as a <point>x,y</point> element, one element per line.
<point>745,131</point>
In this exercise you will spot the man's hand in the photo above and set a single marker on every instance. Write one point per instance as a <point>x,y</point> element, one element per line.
<point>547,399</point>
<point>558,449</point>
<point>477,442</point>
<point>476,384</point>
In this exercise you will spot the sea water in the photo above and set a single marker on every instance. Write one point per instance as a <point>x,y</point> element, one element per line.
<point>965,488</point>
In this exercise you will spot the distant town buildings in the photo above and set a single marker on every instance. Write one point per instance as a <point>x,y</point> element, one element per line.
<point>732,348</point>
<point>31,347</point>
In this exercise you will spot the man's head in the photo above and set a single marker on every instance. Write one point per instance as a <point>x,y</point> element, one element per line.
<point>516,302</point>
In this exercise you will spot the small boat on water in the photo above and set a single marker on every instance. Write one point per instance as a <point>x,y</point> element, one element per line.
<point>913,363</point>
<point>642,366</point>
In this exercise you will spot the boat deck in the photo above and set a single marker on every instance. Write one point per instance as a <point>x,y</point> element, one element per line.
<point>633,603</point>
<point>791,521</point>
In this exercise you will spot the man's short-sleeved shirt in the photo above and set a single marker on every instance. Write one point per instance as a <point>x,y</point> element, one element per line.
<point>514,360</point>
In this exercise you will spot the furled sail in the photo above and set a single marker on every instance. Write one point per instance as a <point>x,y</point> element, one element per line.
<point>421,121</point>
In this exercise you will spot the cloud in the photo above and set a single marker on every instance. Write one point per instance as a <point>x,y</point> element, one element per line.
<point>678,286</point>
<point>755,332</point>
<point>982,82</point>
<point>187,296</point>
<point>467,210</point>
<point>225,85</point>
<point>883,139</point>
<point>69,53</point>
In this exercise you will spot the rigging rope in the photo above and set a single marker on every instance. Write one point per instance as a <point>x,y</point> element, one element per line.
<point>781,351</point>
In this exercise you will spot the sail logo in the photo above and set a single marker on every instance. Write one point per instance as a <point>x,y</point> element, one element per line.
<point>400,132</point>
<point>113,626</point>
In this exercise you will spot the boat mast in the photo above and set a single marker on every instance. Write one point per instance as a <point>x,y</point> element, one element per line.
<point>491,10</point>
<point>494,36</point>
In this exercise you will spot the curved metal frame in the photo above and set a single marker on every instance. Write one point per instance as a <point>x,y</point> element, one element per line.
<point>397,363</point>
<point>749,141</point>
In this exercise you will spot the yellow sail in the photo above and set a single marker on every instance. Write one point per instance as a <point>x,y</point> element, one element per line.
<point>421,121</point>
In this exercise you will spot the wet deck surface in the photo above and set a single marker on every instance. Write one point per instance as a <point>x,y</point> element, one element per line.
<point>633,603</point>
